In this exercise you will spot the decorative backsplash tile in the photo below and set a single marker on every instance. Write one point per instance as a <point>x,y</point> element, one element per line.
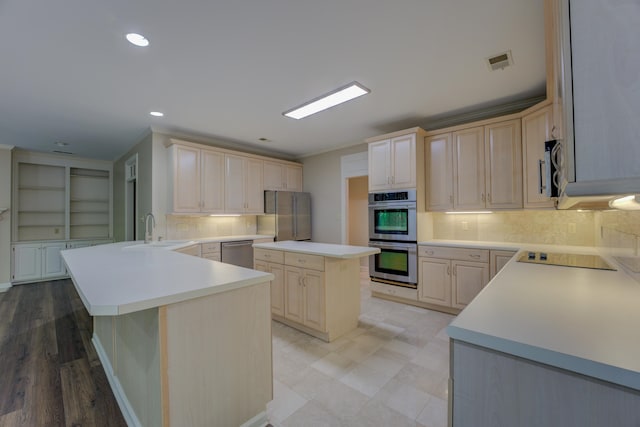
<point>543,227</point>
<point>192,227</point>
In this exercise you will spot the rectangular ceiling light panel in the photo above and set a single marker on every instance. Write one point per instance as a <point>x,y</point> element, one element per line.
<point>331,99</point>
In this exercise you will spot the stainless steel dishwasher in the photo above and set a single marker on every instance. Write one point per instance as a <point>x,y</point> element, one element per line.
<point>238,253</point>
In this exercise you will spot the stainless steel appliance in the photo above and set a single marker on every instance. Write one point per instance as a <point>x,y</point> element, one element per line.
<point>393,229</point>
<point>237,253</point>
<point>392,216</point>
<point>287,215</point>
<point>396,264</point>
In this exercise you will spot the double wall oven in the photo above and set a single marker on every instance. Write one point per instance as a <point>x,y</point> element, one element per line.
<point>393,229</point>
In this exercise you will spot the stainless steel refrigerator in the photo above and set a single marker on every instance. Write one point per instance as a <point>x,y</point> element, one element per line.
<point>287,215</point>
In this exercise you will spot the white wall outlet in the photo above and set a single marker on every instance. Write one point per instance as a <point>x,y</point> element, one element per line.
<point>571,227</point>
<point>465,225</point>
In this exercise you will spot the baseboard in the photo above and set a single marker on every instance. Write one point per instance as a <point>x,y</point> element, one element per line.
<point>125,407</point>
<point>259,420</point>
<point>4,287</point>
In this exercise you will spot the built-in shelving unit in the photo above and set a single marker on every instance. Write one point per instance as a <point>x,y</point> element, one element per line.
<point>89,191</point>
<point>41,202</point>
<point>57,198</point>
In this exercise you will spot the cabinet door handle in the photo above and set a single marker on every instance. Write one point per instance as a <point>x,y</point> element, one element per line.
<point>540,166</point>
<point>304,282</point>
<point>302,261</point>
<point>429,252</point>
<point>450,198</point>
<point>489,197</point>
<point>482,196</point>
<point>474,256</point>
<point>454,269</point>
<point>448,270</point>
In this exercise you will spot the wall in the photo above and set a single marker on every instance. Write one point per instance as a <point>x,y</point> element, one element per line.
<point>144,149</point>
<point>322,178</point>
<point>540,226</point>
<point>5,219</point>
<point>192,227</point>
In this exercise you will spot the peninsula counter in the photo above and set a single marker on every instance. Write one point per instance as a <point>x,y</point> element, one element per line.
<point>183,340</point>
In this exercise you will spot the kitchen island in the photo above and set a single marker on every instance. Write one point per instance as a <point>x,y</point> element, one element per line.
<point>183,340</point>
<point>316,286</point>
<point>548,346</point>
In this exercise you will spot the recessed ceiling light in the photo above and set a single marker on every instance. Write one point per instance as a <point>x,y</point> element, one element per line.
<point>343,94</point>
<point>264,139</point>
<point>61,144</point>
<point>137,39</point>
<point>156,114</point>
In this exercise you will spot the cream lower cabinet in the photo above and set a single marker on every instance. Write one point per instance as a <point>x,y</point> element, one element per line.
<point>316,294</point>
<point>211,251</point>
<point>450,278</point>
<point>273,262</point>
<point>498,260</point>
<point>37,261</point>
<point>304,297</point>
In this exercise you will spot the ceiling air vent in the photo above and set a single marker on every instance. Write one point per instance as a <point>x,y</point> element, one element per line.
<point>500,61</point>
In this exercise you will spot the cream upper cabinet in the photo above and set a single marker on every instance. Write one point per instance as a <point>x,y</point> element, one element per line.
<point>212,184</point>
<point>186,179</point>
<point>392,163</point>
<point>503,165</point>
<point>282,176</point>
<point>198,180</point>
<point>536,129</point>
<point>468,169</point>
<point>439,151</point>
<point>475,168</point>
<point>243,184</point>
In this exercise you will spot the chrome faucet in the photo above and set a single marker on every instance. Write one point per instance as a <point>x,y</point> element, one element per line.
<point>148,236</point>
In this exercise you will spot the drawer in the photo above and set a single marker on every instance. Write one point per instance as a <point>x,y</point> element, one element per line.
<point>313,262</point>
<point>210,247</point>
<point>268,255</point>
<point>213,256</point>
<point>463,254</point>
<point>396,291</point>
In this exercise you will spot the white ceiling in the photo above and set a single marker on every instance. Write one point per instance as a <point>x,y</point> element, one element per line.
<point>228,69</point>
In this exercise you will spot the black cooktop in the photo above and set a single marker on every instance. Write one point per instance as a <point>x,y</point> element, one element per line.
<point>566,260</point>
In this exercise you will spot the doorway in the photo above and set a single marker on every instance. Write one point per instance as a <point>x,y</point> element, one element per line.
<point>131,198</point>
<point>358,213</point>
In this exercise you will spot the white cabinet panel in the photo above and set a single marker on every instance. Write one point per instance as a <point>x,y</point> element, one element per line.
<point>52,265</point>
<point>27,262</point>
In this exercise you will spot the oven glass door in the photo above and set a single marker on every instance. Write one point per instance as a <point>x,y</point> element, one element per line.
<point>397,263</point>
<point>393,222</point>
<point>393,261</point>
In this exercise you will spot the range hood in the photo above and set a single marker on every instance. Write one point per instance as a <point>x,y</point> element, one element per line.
<point>596,194</point>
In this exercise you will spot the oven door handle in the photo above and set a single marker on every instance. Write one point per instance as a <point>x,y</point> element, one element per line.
<point>392,206</point>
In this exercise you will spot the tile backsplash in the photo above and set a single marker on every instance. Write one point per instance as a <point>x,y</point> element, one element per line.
<point>540,226</point>
<point>191,227</point>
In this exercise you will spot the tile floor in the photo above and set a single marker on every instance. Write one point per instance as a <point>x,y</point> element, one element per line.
<point>391,371</point>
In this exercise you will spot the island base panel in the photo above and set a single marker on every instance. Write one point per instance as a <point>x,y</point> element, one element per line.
<point>201,362</point>
<point>490,388</point>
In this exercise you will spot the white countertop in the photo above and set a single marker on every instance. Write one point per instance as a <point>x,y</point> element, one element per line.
<point>582,320</point>
<point>123,277</point>
<point>322,249</point>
